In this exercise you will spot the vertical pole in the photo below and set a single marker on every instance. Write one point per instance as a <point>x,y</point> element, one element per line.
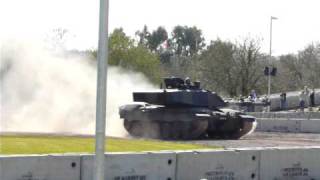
<point>102,64</point>
<point>269,64</point>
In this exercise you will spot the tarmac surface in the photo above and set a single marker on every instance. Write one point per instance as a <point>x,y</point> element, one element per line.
<point>267,139</point>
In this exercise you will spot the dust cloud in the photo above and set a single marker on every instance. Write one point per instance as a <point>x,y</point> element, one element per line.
<point>55,92</point>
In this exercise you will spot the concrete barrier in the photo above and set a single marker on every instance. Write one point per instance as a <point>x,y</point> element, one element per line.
<point>134,166</point>
<point>265,125</point>
<point>40,167</point>
<point>216,165</point>
<point>231,164</point>
<point>310,126</point>
<point>296,122</point>
<point>287,115</point>
<point>293,164</point>
<point>314,115</point>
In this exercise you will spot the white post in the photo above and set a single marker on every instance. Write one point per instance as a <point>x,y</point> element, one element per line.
<point>102,65</point>
<point>270,57</point>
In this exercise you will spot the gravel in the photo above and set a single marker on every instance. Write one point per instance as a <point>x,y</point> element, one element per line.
<point>267,139</point>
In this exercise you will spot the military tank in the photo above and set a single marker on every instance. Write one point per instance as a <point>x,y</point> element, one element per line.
<point>182,110</point>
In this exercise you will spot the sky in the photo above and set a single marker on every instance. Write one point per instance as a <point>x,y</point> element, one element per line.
<point>297,25</point>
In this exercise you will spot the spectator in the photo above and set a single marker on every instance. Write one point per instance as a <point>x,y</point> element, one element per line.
<point>312,99</point>
<point>283,100</point>
<point>253,96</point>
<point>307,93</point>
<point>265,102</point>
<point>187,82</point>
<point>303,98</point>
<point>241,98</point>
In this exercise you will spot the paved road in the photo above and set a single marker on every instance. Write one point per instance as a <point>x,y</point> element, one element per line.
<point>267,139</point>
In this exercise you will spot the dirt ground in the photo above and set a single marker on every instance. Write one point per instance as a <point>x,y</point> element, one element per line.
<point>267,139</point>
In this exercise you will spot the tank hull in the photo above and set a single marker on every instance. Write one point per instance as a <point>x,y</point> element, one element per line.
<point>163,122</point>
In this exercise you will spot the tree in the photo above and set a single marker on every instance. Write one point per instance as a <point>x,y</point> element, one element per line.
<point>177,41</point>
<point>289,74</point>
<point>186,41</point>
<point>230,68</point>
<point>142,60</point>
<point>309,59</point>
<point>143,36</point>
<point>218,67</point>
<point>136,58</point>
<point>194,40</point>
<point>119,46</point>
<point>298,70</point>
<point>250,64</point>
<point>152,40</point>
<point>123,53</point>
<point>156,38</point>
<point>180,66</point>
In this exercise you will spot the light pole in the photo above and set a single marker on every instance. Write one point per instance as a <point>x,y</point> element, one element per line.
<point>270,56</point>
<point>102,64</point>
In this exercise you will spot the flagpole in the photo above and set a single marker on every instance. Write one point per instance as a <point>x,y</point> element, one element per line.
<point>270,57</point>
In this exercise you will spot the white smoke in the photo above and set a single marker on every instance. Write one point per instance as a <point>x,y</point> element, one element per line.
<point>50,92</point>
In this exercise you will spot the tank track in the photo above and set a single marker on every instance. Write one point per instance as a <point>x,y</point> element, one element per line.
<point>182,130</point>
<point>247,127</point>
<point>167,130</point>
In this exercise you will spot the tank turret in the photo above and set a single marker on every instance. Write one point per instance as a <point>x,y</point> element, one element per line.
<point>182,110</point>
<point>179,93</point>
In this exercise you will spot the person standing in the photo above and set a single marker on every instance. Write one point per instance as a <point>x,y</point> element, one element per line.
<point>266,103</point>
<point>283,100</point>
<point>303,98</point>
<point>252,98</point>
<point>312,99</point>
<point>307,93</point>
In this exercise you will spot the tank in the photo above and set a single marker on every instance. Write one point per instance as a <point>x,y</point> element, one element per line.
<point>182,110</point>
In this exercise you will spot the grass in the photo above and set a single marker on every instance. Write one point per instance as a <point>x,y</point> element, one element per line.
<point>42,144</point>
